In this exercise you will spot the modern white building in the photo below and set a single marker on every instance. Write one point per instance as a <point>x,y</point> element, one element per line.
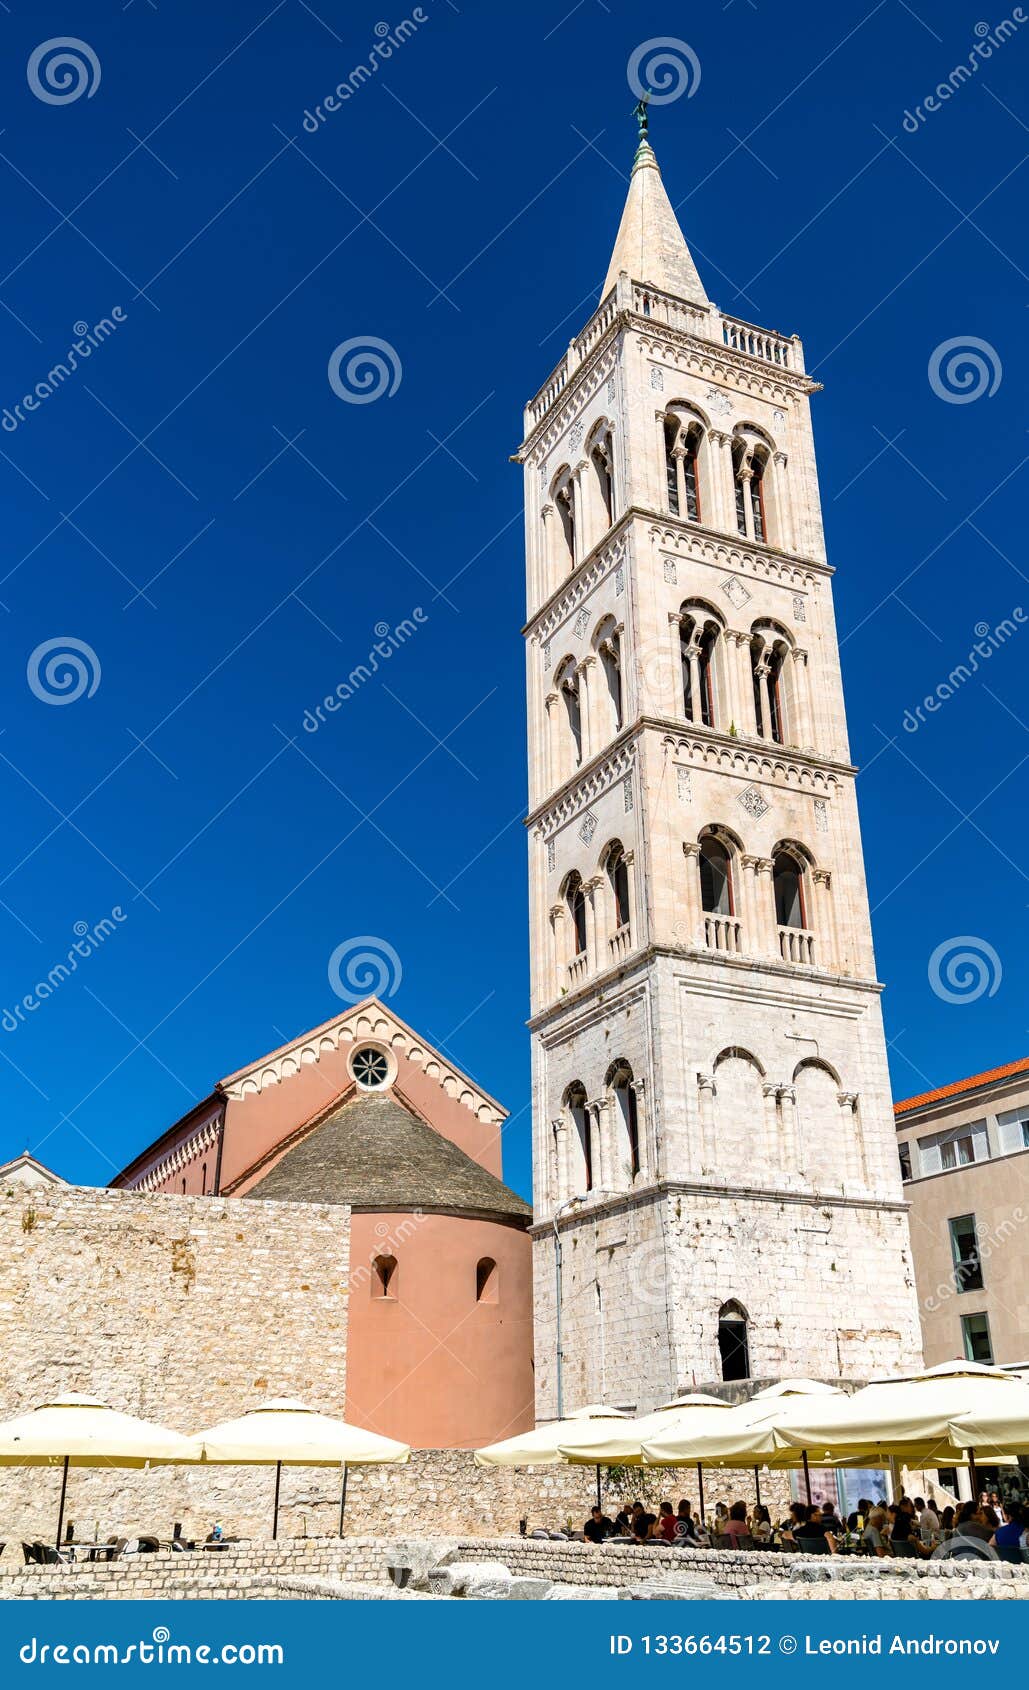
<point>716,1172</point>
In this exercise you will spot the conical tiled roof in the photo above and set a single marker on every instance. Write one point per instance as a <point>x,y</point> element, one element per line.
<point>650,246</point>
<point>374,1153</point>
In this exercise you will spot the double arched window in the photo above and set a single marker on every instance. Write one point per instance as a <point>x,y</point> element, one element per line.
<point>622,1086</point>
<point>719,855</point>
<point>791,875</point>
<point>607,642</point>
<point>571,703</point>
<point>575,897</point>
<point>770,649</point>
<point>699,631</point>
<point>751,459</point>
<point>716,879</point>
<point>684,434</point>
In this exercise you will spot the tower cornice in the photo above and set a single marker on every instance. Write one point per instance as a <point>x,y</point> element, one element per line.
<point>645,1194</point>
<point>760,759</point>
<point>723,349</point>
<point>728,551</point>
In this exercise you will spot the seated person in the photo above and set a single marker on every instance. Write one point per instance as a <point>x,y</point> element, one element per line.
<point>666,1522</point>
<point>874,1538</point>
<point>971,1522</point>
<point>623,1521</point>
<point>814,1526</point>
<point>597,1527</point>
<point>761,1524</point>
<point>857,1517</point>
<point>737,1525</point>
<point>643,1526</point>
<point>685,1524</point>
<point>1011,1533</point>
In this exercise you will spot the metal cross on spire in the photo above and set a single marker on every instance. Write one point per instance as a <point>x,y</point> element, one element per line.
<point>642,116</point>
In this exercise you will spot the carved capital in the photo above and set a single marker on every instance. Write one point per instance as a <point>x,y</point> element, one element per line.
<point>691,849</point>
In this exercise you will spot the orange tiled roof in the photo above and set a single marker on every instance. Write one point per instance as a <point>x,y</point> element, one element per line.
<point>990,1077</point>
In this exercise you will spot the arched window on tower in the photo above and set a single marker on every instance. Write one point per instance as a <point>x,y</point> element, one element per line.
<point>684,432</point>
<point>698,641</point>
<point>620,1080</point>
<point>792,905</point>
<point>487,1281</point>
<point>564,504</point>
<point>568,687</point>
<point>601,460</point>
<point>384,1276</point>
<point>751,459</point>
<point>733,1346</point>
<point>769,650</point>
<point>608,643</point>
<point>575,1103</point>
<point>722,931</point>
<point>618,878</point>
<point>575,895</point>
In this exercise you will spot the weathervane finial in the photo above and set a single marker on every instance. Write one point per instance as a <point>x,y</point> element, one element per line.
<point>642,116</point>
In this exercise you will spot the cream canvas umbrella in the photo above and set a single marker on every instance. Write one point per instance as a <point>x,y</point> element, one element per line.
<point>744,1436</point>
<point>1001,1428</point>
<point>621,1444</point>
<point>904,1419</point>
<point>282,1433</point>
<point>542,1446</point>
<point>78,1431</point>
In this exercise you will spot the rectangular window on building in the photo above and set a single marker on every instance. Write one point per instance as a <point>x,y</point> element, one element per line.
<point>958,1148</point>
<point>904,1152</point>
<point>964,1247</point>
<point>975,1331</point>
<point>1013,1130</point>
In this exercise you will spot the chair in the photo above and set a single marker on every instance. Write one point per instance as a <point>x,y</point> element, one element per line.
<point>1010,1552</point>
<point>29,1552</point>
<point>149,1545</point>
<point>745,1542</point>
<point>904,1551</point>
<point>813,1546</point>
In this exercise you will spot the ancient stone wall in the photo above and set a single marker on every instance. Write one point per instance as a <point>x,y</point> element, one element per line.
<point>184,1310</point>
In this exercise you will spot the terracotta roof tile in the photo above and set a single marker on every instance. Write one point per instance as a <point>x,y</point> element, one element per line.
<point>990,1077</point>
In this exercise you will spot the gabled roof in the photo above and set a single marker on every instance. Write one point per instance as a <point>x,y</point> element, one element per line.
<point>374,1152</point>
<point>371,1018</point>
<point>650,246</point>
<point>990,1077</point>
<point>26,1170</point>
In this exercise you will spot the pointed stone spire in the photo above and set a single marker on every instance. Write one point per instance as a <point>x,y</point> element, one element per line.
<point>650,246</point>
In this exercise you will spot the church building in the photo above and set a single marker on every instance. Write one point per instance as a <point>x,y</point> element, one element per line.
<point>362,1112</point>
<point>717,1195</point>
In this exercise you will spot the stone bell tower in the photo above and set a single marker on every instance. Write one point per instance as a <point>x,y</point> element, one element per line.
<point>716,1183</point>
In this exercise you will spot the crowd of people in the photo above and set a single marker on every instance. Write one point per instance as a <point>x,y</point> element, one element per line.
<point>908,1527</point>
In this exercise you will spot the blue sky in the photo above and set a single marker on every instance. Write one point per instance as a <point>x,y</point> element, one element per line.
<point>197,506</point>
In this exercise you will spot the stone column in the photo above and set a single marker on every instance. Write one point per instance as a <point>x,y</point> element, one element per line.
<point>802,729</point>
<point>826,946</point>
<point>635,928</point>
<point>578,517</point>
<point>791,1146</point>
<point>738,651</point>
<point>587,705</point>
<point>706,1111</point>
<point>595,937</point>
<point>661,503</point>
<point>850,1127</point>
<point>559,946</point>
<point>772,1125</point>
<point>674,697</point>
<point>782,515</point>
<point>548,566</point>
<point>764,933</point>
<point>648,1151</point>
<point>693,658</point>
<point>551,744</point>
<point>717,505</point>
<point>604,1153</point>
<point>746,474</point>
<point>692,933</point>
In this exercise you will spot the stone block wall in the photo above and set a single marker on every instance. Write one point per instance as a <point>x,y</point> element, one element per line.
<point>184,1310</point>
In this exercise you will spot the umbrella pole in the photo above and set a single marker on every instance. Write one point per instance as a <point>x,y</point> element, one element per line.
<point>599,1504</point>
<point>700,1481</point>
<point>757,1487</point>
<point>973,1477</point>
<point>343,1499</point>
<point>60,1511</point>
<point>275,1516</point>
<point>807,1475</point>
